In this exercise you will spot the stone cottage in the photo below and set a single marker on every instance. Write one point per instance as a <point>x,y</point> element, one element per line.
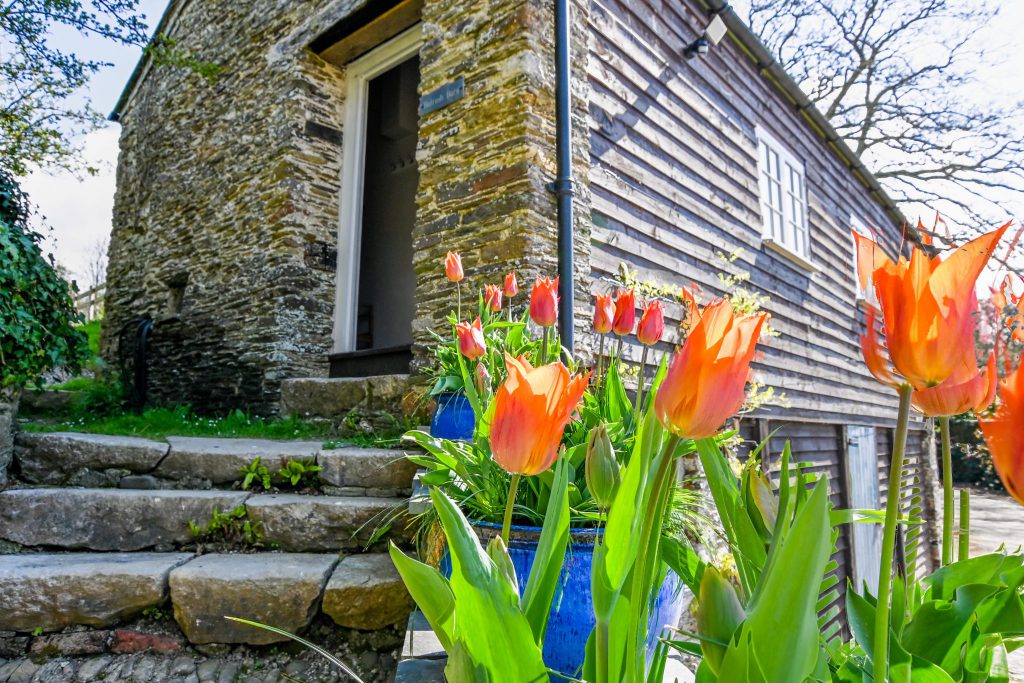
<point>289,218</point>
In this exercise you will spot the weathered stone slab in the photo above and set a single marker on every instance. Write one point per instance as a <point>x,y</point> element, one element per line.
<point>366,592</point>
<point>321,396</point>
<point>51,458</point>
<point>279,589</point>
<point>331,398</point>
<point>107,519</point>
<point>54,591</point>
<point>366,467</point>
<point>300,523</point>
<point>221,460</point>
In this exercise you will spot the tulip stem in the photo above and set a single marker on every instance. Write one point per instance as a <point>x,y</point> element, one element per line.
<point>892,509</point>
<point>947,493</point>
<point>544,346</point>
<point>506,525</point>
<point>648,557</point>
<point>640,384</point>
<point>964,550</point>
<point>601,646</point>
<point>458,288</point>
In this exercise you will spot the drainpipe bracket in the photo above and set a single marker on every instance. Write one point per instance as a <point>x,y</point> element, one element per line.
<point>562,187</point>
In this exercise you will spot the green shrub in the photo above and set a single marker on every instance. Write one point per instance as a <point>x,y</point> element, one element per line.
<point>972,461</point>
<point>38,320</point>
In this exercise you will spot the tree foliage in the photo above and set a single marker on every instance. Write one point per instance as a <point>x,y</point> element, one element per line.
<point>40,114</point>
<point>894,78</point>
<point>37,315</point>
<point>42,108</point>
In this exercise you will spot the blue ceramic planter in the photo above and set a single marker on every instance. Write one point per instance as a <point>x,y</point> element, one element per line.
<point>454,417</point>
<point>572,617</point>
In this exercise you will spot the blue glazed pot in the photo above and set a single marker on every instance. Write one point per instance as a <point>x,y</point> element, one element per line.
<point>454,417</point>
<point>572,616</point>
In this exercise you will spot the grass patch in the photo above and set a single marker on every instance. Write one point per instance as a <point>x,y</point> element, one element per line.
<point>92,330</point>
<point>74,384</point>
<point>156,423</point>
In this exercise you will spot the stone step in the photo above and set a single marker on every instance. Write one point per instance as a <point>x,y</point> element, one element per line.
<point>126,520</point>
<point>108,519</point>
<point>331,398</point>
<point>55,457</point>
<point>298,523</point>
<point>282,590</point>
<point>93,460</point>
<point>48,592</point>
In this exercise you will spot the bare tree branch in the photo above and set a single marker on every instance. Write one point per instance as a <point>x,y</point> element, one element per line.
<point>894,77</point>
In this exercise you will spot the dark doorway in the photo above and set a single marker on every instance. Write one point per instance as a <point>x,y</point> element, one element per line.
<point>387,282</point>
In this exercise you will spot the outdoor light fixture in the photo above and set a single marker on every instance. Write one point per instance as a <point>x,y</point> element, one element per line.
<point>712,35</point>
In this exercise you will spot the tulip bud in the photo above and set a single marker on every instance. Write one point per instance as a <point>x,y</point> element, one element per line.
<point>498,553</point>
<point>471,340</point>
<point>762,505</point>
<point>719,614</point>
<point>652,324</point>
<point>511,286</point>
<point>492,298</point>
<point>453,266</point>
<point>604,313</point>
<point>544,302</point>
<point>625,312</point>
<point>602,469</point>
<point>483,378</point>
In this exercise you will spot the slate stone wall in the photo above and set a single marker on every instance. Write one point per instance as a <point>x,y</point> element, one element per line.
<point>8,414</point>
<point>226,212</point>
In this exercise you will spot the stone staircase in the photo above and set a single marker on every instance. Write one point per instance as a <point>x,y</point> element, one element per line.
<point>109,568</point>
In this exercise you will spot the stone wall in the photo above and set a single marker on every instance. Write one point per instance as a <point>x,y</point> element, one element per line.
<point>486,160</point>
<point>226,208</point>
<point>226,211</point>
<point>8,414</point>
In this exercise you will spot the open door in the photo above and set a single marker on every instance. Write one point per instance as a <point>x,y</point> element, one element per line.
<point>864,493</point>
<point>376,283</point>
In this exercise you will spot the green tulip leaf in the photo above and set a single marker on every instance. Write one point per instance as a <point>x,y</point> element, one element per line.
<point>431,593</point>
<point>550,556</point>
<point>489,623</point>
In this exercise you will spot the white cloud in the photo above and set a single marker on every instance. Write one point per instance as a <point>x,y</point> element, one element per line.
<point>78,209</point>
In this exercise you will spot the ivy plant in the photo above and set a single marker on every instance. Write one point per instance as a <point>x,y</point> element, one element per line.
<point>37,314</point>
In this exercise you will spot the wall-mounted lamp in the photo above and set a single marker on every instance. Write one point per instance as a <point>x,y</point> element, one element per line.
<point>697,47</point>
<point>712,35</point>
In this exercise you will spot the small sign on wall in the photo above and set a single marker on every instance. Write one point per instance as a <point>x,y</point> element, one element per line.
<point>443,96</point>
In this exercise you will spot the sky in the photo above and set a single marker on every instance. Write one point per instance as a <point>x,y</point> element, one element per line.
<point>78,209</point>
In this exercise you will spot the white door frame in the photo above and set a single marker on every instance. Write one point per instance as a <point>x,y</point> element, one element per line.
<point>359,73</point>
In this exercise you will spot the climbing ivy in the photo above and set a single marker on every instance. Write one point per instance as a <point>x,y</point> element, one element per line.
<point>37,314</point>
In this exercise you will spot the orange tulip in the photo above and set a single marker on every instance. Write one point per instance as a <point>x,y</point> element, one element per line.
<point>471,339</point>
<point>531,409</point>
<point>928,306</point>
<point>652,323</point>
<point>604,313</point>
<point>966,389</point>
<point>625,312</point>
<point>511,286</point>
<point>492,297</point>
<point>453,266</point>
<point>707,379</point>
<point>1004,434</point>
<point>544,302</point>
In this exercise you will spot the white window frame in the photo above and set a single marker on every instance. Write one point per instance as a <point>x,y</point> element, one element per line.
<point>359,73</point>
<point>785,224</point>
<point>864,296</point>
